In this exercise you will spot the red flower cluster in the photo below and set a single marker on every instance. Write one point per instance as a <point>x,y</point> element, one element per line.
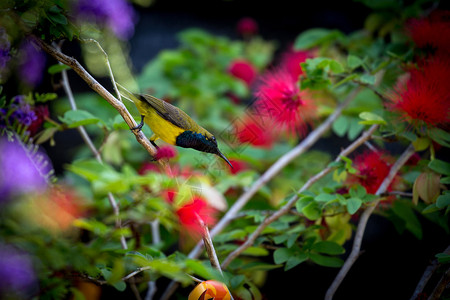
<point>280,98</point>
<point>189,213</point>
<point>372,167</point>
<point>431,32</point>
<point>425,97</point>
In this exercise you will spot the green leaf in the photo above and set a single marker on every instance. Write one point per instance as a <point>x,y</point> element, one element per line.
<point>58,18</point>
<point>312,211</point>
<point>406,213</point>
<point>256,251</point>
<point>440,167</point>
<point>302,202</point>
<point>57,68</point>
<point>326,261</point>
<point>440,136</point>
<point>443,258</point>
<point>367,79</point>
<point>315,37</point>
<point>75,118</point>
<point>328,247</point>
<point>443,200</point>
<point>324,197</point>
<point>421,144</point>
<point>281,255</point>
<point>353,204</point>
<point>295,260</point>
<point>341,126</point>
<point>371,118</point>
<point>354,62</point>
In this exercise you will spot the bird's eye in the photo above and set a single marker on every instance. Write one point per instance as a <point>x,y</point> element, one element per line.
<point>213,139</point>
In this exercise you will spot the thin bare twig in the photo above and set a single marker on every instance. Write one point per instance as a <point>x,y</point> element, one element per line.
<point>363,222</point>
<point>284,160</point>
<point>427,274</point>
<point>209,246</point>
<point>287,207</point>
<point>441,286</point>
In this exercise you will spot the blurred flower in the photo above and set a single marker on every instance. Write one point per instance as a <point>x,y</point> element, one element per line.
<point>243,70</point>
<point>5,47</point>
<point>55,209</point>
<point>188,216</point>
<point>117,15</point>
<point>32,63</point>
<point>16,273</point>
<point>169,195</point>
<point>165,152</point>
<point>254,133</point>
<point>247,26</point>
<point>20,172</point>
<point>280,97</point>
<point>372,168</point>
<point>431,33</point>
<point>41,112</point>
<point>425,97</point>
<point>238,166</point>
<point>291,62</point>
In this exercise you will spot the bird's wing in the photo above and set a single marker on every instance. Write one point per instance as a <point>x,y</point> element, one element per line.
<point>170,113</point>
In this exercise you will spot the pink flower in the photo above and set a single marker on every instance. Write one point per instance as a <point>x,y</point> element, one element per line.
<point>189,213</point>
<point>243,70</point>
<point>372,167</point>
<point>425,97</point>
<point>433,31</point>
<point>247,26</point>
<point>238,166</point>
<point>280,98</point>
<point>291,61</point>
<point>165,152</point>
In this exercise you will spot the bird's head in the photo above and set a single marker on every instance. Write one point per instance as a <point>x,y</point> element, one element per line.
<point>205,142</point>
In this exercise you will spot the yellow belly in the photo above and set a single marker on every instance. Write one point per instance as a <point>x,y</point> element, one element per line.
<point>162,128</point>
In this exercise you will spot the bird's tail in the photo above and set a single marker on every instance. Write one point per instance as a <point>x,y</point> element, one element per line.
<point>126,93</point>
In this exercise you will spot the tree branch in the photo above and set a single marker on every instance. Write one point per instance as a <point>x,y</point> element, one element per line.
<point>287,207</point>
<point>363,222</point>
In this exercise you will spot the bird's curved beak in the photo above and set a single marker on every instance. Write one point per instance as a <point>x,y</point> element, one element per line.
<point>223,157</point>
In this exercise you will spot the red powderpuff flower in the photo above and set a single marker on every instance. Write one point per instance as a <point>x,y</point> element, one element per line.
<point>247,26</point>
<point>425,97</point>
<point>280,97</point>
<point>372,168</point>
<point>165,152</point>
<point>431,32</point>
<point>254,133</point>
<point>189,213</point>
<point>291,61</point>
<point>243,70</point>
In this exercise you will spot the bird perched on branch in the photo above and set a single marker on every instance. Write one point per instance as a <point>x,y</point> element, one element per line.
<point>171,124</point>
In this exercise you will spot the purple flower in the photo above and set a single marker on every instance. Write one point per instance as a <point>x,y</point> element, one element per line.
<point>32,63</point>
<point>117,15</point>
<point>20,172</point>
<point>22,111</point>
<point>16,273</point>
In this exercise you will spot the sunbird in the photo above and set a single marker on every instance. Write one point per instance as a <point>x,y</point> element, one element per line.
<point>172,125</point>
